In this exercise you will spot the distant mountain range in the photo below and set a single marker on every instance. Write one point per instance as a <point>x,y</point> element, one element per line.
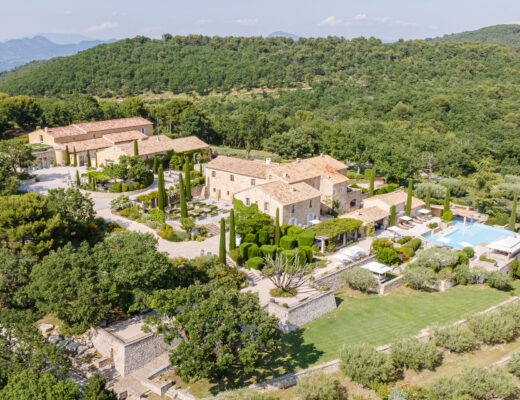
<point>283,34</point>
<point>505,35</point>
<point>16,52</point>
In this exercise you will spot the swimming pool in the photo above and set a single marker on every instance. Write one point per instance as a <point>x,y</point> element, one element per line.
<point>468,236</point>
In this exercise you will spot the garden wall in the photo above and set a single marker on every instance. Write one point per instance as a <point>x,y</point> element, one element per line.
<point>391,285</point>
<point>296,316</point>
<point>334,280</point>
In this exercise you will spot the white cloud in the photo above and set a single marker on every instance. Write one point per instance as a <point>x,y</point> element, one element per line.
<point>360,17</point>
<point>103,27</point>
<point>246,21</point>
<point>330,21</point>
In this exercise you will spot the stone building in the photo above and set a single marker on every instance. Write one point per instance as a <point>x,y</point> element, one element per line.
<point>228,176</point>
<point>397,199</point>
<point>91,137</point>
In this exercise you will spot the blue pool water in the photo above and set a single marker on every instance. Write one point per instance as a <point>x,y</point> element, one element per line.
<point>469,235</point>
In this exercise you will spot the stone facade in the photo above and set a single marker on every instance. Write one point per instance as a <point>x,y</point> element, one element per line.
<point>223,185</point>
<point>292,318</point>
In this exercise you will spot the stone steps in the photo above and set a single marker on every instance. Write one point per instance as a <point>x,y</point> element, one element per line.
<point>213,229</point>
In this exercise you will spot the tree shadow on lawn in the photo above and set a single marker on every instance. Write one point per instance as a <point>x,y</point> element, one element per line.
<point>293,355</point>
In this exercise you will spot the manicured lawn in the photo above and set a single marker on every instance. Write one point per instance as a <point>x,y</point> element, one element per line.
<point>378,320</point>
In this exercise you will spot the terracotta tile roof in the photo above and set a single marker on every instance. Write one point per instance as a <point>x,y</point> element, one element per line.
<point>367,215</point>
<point>324,166</point>
<point>64,131</point>
<point>325,162</point>
<point>189,143</point>
<point>112,124</point>
<point>398,197</point>
<point>154,144</point>
<point>295,172</point>
<point>127,136</point>
<point>239,166</point>
<point>84,145</point>
<point>289,194</point>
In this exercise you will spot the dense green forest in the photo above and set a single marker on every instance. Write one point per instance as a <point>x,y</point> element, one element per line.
<point>505,35</point>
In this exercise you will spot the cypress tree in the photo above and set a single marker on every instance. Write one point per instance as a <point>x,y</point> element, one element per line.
<point>277,232</point>
<point>187,180</point>
<point>96,160</point>
<point>67,156</point>
<point>200,167</point>
<point>89,162</point>
<point>372,181</point>
<point>428,197</point>
<point>75,158</point>
<point>409,198</point>
<point>136,148</point>
<point>155,164</point>
<point>512,219</point>
<point>182,195</point>
<point>232,240</point>
<point>222,249</point>
<point>392,215</point>
<point>161,195</point>
<point>78,182</point>
<point>446,201</point>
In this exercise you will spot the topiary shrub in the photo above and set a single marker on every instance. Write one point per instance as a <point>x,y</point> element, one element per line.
<point>288,242</point>
<point>458,338</point>
<point>364,364</point>
<point>255,263</point>
<point>447,216</point>
<point>268,250</point>
<point>283,228</point>
<point>250,238</point>
<point>244,250</point>
<point>263,236</point>
<point>301,256</point>
<point>253,251</point>
<point>308,252</point>
<point>124,187</point>
<point>319,386</point>
<point>287,255</point>
<point>359,279</point>
<point>415,354</point>
<point>499,280</point>
<point>294,230</point>
<point>305,239</point>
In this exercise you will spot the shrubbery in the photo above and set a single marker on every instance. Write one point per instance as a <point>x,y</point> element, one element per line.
<point>419,277</point>
<point>513,364</point>
<point>157,215</point>
<point>493,327</point>
<point>120,202</point>
<point>458,338</point>
<point>437,258</point>
<point>168,233</point>
<point>130,213</point>
<point>360,279</point>
<point>255,263</point>
<point>305,239</point>
<point>364,364</point>
<point>319,386</point>
<point>268,250</point>
<point>288,242</point>
<point>499,280</point>
<point>415,354</point>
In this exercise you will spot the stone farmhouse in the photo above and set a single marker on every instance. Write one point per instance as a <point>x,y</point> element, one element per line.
<point>397,199</point>
<point>301,190</point>
<point>108,140</point>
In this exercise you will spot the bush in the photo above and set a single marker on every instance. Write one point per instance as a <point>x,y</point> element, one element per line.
<point>499,280</point>
<point>463,275</point>
<point>288,242</point>
<point>419,277</point>
<point>255,263</point>
<point>470,253</point>
<point>307,250</point>
<point>305,239</point>
<point>433,225</point>
<point>458,338</point>
<point>254,251</point>
<point>250,238</point>
<point>493,327</point>
<point>381,243</point>
<point>513,364</point>
<point>157,215</point>
<point>319,386</point>
<point>268,250</point>
<point>247,394</point>
<point>244,250</point>
<point>445,274</point>
<point>437,191</point>
<point>235,255</point>
<point>387,255</point>
<point>514,268</point>
<point>120,202</point>
<point>167,233</point>
<point>287,255</point>
<point>124,187</point>
<point>437,258</point>
<point>476,383</point>
<point>263,236</point>
<point>283,228</point>
<point>364,364</point>
<point>130,213</point>
<point>447,216</point>
<point>404,240</point>
<point>293,230</point>
<point>414,244</point>
<point>360,279</point>
<point>415,354</point>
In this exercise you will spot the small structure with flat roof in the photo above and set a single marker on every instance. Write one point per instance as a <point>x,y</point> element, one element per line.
<point>506,247</point>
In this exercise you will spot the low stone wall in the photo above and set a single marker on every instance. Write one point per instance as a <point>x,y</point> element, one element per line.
<point>109,195</point>
<point>334,280</point>
<point>391,285</point>
<point>294,317</point>
<point>28,181</point>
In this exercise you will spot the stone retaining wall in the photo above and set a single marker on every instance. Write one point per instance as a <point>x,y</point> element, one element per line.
<point>391,285</point>
<point>109,195</point>
<point>294,317</point>
<point>334,280</point>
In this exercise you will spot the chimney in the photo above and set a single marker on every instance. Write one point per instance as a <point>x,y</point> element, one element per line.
<point>157,138</point>
<point>46,130</point>
<point>268,161</point>
<point>322,156</point>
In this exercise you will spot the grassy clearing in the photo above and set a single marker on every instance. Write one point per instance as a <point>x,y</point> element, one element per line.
<point>378,320</point>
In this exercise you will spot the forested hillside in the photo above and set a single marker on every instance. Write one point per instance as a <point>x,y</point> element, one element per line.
<point>505,35</point>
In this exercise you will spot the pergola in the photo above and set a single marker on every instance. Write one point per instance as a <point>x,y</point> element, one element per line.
<point>377,269</point>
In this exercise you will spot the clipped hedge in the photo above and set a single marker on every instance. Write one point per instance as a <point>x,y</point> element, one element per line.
<point>248,250</point>
<point>254,251</point>
<point>305,239</point>
<point>307,250</point>
<point>294,230</point>
<point>255,263</point>
<point>287,255</point>
<point>263,236</point>
<point>283,228</point>
<point>288,242</point>
<point>250,238</point>
<point>268,251</point>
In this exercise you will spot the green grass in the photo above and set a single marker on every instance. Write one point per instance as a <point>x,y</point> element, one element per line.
<point>378,320</point>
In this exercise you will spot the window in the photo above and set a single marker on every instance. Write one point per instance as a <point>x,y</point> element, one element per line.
<point>270,177</point>
<point>247,201</point>
<point>293,209</point>
<point>227,192</point>
<point>214,190</point>
<point>41,138</point>
<point>232,178</point>
<point>143,130</point>
<point>253,182</point>
<point>266,206</point>
<point>353,203</point>
<point>310,203</point>
<point>213,174</point>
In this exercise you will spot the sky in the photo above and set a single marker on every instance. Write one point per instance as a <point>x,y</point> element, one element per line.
<point>385,19</point>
